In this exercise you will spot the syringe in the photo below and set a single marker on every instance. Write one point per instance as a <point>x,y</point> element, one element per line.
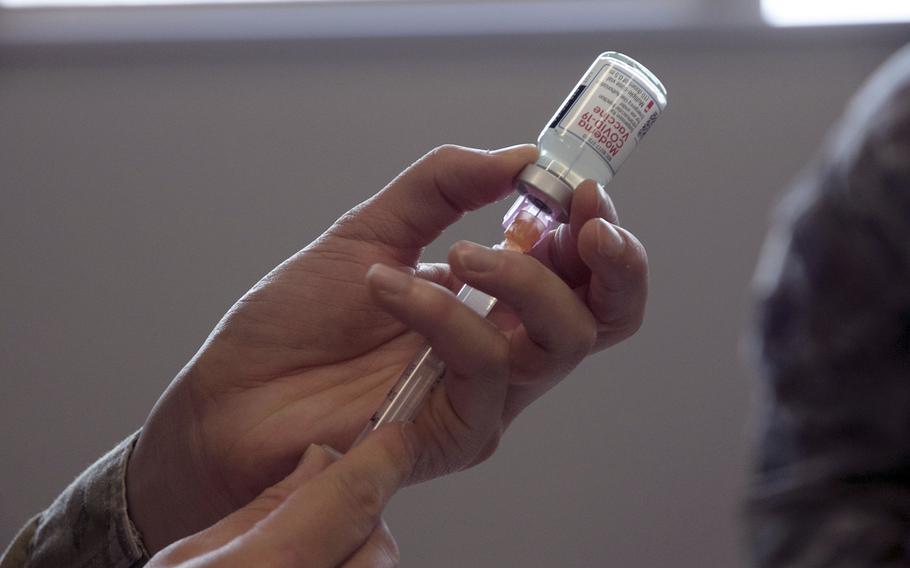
<point>526,222</point>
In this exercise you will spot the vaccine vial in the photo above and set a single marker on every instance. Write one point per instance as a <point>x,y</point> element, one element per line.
<point>595,129</point>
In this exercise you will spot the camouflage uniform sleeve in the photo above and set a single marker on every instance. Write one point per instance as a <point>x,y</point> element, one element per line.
<point>87,525</point>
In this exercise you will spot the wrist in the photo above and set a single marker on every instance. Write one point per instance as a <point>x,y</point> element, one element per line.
<point>168,496</point>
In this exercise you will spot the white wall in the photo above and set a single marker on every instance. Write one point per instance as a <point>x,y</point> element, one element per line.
<point>144,188</point>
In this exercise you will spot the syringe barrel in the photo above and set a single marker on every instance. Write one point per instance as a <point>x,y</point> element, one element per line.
<point>412,388</point>
<point>423,373</point>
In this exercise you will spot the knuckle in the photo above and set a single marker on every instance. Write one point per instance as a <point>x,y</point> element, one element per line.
<point>522,274</point>
<point>585,338</point>
<point>443,153</point>
<point>488,365</point>
<point>621,325</point>
<point>437,304</point>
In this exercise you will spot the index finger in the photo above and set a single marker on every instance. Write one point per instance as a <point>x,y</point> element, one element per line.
<point>331,516</point>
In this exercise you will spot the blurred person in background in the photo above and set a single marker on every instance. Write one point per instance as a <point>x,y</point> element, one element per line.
<point>832,486</point>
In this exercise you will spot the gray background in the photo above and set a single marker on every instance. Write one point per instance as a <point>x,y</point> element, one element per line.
<point>145,188</point>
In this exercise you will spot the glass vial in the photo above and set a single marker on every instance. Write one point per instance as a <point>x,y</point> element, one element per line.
<point>595,129</point>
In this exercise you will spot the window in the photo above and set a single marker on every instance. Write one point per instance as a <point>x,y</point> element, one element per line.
<point>834,12</point>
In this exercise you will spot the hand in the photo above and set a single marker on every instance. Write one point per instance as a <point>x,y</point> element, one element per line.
<point>322,515</point>
<point>309,353</point>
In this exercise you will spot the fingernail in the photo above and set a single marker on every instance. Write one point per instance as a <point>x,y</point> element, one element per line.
<point>388,280</point>
<point>516,148</point>
<point>476,258</point>
<point>609,242</point>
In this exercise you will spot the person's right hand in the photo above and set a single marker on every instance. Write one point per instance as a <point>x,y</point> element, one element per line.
<point>322,515</point>
<point>307,355</point>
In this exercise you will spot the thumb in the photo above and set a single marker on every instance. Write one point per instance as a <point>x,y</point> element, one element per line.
<point>434,193</point>
<point>315,459</point>
<point>333,514</point>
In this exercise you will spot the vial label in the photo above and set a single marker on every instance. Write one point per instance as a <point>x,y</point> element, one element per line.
<point>611,113</point>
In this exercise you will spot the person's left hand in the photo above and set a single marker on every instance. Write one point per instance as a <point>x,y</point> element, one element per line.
<point>307,355</point>
<point>322,515</point>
